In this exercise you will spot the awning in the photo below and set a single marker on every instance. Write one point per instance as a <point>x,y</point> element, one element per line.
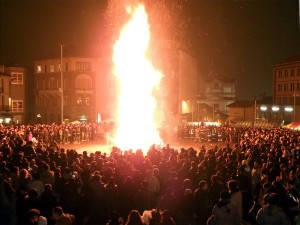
<point>293,125</point>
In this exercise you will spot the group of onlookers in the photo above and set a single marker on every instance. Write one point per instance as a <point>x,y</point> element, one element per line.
<point>253,179</point>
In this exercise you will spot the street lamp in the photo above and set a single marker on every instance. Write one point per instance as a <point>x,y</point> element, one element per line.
<point>62,84</point>
<point>294,119</point>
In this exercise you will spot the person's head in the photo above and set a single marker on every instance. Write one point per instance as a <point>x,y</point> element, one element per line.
<point>203,185</point>
<point>156,217</point>
<point>57,212</point>
<point>33,215</point>
<point>273,199</point>
<point>134,217</point>
<point>232,186</point>
<point>224,195</point>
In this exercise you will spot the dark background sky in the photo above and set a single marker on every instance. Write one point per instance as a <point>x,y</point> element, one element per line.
<point>240,39</point>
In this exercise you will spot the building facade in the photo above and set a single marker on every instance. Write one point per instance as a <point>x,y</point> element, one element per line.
<point>286,86</point>
<point>14,102</point>
<point>215,93</point>
<point>79,89</point>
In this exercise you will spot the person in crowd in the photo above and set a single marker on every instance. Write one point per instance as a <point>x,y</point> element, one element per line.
<point>35,218</point>
<point>134,218</point>
<point>47,201</point>
<point>224,212</point>
<point>144,199</point>
<point>254,210</point>
<point>203,202</point>
<point>62,218</point>
<point>188,207</point>
<point>271,213</point>
<point>236,198</point>
<point>255,158</point>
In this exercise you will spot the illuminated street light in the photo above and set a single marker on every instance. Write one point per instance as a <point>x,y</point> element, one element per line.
<point>263,108</point>
<point>275,108</point>
<point>288,109</point>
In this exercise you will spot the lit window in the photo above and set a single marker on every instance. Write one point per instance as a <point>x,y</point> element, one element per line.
<point>17,78</point>
<point>275,108</point>
<point>51,68</point>
<point>39,69</point>
<point>17,105</point>
<point>88,101</point>
<point>79,101</point>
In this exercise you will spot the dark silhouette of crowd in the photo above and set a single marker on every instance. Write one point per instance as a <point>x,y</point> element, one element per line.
<point>252,177</point>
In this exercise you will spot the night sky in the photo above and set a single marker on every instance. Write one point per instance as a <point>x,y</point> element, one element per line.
<point>238,39</point>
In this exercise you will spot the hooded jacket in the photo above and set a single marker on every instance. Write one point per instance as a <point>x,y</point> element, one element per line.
<point>271,215</point>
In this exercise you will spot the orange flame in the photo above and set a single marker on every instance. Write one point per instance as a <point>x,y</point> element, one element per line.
<point>137,127</point>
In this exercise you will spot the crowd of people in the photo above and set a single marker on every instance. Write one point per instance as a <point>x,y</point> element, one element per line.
<point>253,178</point>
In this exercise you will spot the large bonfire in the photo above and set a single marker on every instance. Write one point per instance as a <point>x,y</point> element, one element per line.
<point>137,127</point>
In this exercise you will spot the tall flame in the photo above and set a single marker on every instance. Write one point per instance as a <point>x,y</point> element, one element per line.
<point>136,125</point>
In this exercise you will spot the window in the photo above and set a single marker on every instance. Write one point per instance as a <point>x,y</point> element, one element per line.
<point>279,73</point>
<point>285,87</point>
<point>298,72</point>
<point>216,85</point>
<point>83,82</point>
<point>83,66</point>
<point>227,89</point>
<point>279,87</point>
<point>66,67</point>
<point>292,87</point>
<point>45,68</point>
<point>39,69</point>
<point>17,78</point>
<point>298,86</point>
<point>17,105</point>
<point>292,72</point>
<point>52,84</point>
<point>87,101</point>
<point>79,101</point>
<point>52,68</point>
<point>286,73</point>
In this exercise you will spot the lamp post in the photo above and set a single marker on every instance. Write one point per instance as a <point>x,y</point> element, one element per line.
<point>294,116</point>
<point>61,84</point>
<point>254,116</point>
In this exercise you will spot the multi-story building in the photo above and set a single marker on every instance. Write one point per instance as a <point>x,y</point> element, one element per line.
<point>80,88</point>
<point>14,102</point>
<point>215,93</point>
<point>286,86</point>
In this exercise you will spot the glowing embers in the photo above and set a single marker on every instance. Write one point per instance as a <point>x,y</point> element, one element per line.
<point>137,80</point>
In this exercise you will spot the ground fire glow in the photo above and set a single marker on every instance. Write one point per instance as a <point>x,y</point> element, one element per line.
<point>137,126</point>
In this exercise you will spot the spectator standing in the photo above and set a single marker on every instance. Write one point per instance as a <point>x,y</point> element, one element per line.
<point>203,205</point>
<point>134,218</point>
<point>62,218</point>
<point>236,198</point>
<point>224,212</point>
<point>271,213</point>
<point>35,218</point>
